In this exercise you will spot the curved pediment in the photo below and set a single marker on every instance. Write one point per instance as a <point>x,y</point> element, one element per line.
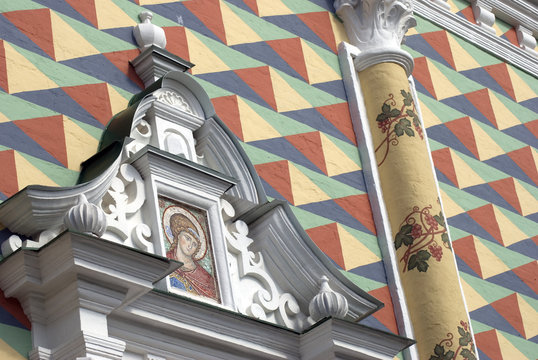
<point>168,153</point>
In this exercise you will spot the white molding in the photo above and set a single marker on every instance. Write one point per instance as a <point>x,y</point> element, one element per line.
<point>361,126</point>
<point>474,34</point>
<point>377,28</point>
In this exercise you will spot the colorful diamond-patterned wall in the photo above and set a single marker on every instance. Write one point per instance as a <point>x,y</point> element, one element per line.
<point>271,69</point>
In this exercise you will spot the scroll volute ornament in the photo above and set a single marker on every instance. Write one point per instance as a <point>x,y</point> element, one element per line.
<point>377,28</point>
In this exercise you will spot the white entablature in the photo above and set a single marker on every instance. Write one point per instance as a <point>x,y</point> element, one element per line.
<point>168,243</point>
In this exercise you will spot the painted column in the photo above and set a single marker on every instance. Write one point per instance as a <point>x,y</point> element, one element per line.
<point>426,264</point>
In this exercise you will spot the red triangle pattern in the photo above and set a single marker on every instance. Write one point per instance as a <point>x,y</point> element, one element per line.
<point>339,116</point>
<point>385,315</point>
<point>3,68</point>
<point>309,144</point>
<point>9,185</point>
<point>359,207</point>
<point>291,51</point>
<point>277,174</point>
<point>488,343</point>
<point>512,36</point>
<point>259,79</point>
<point>327,239</point>
<point>86,8</point>
<point>464,132</point>
<point>524,159</point>
<point>485,217</point>
<point>507,189</point>
<point>13,306</point>
<point>48,132</point>
<point>228,110</point>
<point>121,59</point>
<point>480,99</point>
<point>179,46</point>
<point>508,308</point>
<point>94,99</point>
<point>499,72</point>
<point>421,73</point>
<point>253,5</point>
<point>443,162</point>
<point>466,251</point>
<point>36,25</point>
<point>208,12</point>
<point>439,41</point>
<point>531,125</point>
<point>528,273</point>
<point>319,22</point>
<point>468,14</point>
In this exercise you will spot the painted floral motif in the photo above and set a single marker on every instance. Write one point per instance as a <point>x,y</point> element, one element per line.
<point>465,347</point>
<point>418,232</point>
<point>394,122</point>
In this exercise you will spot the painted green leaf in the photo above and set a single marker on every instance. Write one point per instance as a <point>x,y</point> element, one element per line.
<point>422,266</point>
<point>394,113</point>
<point>439,350</point>
<point>440,219</point>
<point>445,239</point>
<point>423,255</point>
<point>411,113</point>
<point>399,129</point>
<point>385,109</point>
<point>405,122</point>
<point>404,236</point>
<point>466,353</point>
<point>412,262</point>
<point>381,117</point>
<point>409,132</point>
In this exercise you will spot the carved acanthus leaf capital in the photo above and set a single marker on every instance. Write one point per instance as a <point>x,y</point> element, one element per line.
<point>377,26</point>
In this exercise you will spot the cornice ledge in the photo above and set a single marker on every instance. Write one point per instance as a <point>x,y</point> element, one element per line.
<point>478,36</point>
<point>377,28</point>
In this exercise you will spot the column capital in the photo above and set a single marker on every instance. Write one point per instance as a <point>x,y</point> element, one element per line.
<point>377,28</point>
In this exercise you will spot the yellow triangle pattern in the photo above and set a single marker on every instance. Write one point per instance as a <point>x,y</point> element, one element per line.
<point>3,118</point>
<point>510,233</point>
<point>110,15</point>
<point>429,118</point>
<point>254,126</point>
<point>504,117</point>
<point>22,74</point>
<point>117,101</point>
<point>442,86</point>
<point>487,148</point>
<point>528,203</point>
<point>79,145</point>
<point>464,173</point>
<point>206,61</point>
<point>529,317</point>
<point>508,350</point>
<point>317,69</point>
<point>453,8</point>
<point>303,189</point>
<point>522,91</point>
<point>237,32</point>
<point>472,297</point>
<point>462,59</point>
<point>287,99</point>
<point>29,174</point>
<point>354,252</point>
<point>490,264</point>
<point>8,353</point>
<point>449,206</point>
<point>336,161</point>
<point>338,29</point>
<point>155,2</point>
<point>68,44</point>
<point>272,8</point>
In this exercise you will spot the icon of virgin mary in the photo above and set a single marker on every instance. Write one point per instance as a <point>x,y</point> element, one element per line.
<point>188,244</point>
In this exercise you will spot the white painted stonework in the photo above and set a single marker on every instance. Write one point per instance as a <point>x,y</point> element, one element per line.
<point>100,289</point>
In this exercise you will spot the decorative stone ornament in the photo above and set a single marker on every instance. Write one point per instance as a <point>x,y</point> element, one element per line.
<point>86,218</point>
<point>377,28</point>
<point>327,303</point>
<point>147,34</point>
<point>484,16</point>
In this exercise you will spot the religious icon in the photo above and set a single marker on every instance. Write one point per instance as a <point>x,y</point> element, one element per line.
<point>186,229</point>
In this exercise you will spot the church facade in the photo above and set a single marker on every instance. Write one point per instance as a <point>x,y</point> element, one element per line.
<point>394,143</point>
